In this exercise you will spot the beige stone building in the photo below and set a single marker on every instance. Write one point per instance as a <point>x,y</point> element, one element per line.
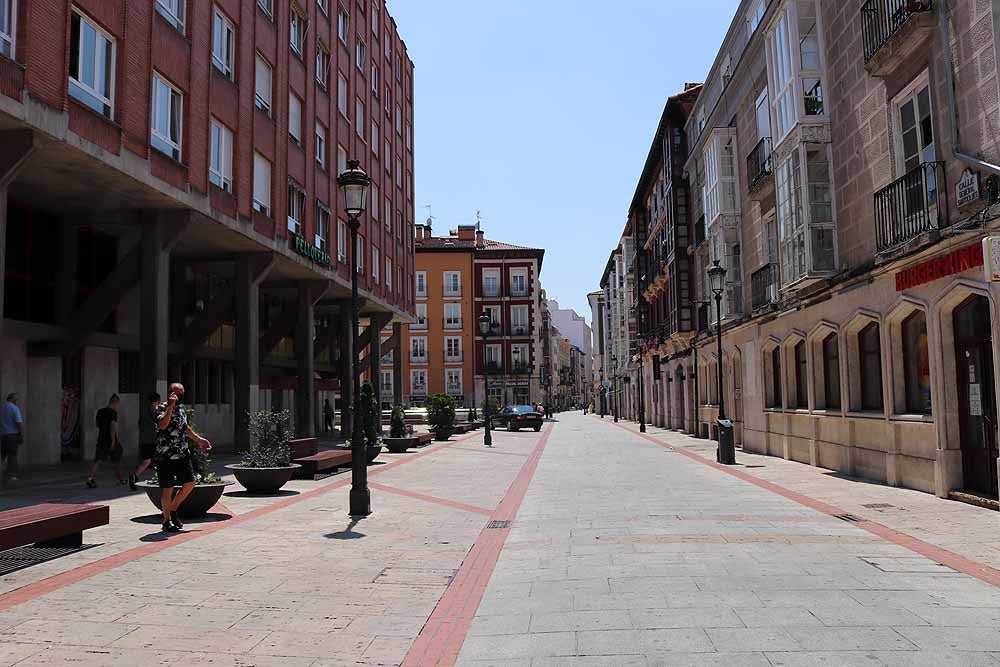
<point>842,164</point>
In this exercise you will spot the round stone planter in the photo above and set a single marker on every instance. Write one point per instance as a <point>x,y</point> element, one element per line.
<point>398,445</point>
<point>441,436</point>
<point>203,498</point>
<point>263,480</point>
<point>373,453</point>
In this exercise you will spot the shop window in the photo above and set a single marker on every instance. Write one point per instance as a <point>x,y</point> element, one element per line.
<point>801,376</point>
<point>773,377</point>
<point>831,372</point>
<point>916,364</point>
<point>870,358</point>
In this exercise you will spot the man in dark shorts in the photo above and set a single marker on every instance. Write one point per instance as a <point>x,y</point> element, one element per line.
<point>173,459</point>
<point>108,446</point>
<point>147,439</point>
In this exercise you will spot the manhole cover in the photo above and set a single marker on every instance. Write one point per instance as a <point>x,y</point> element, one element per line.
<point>498,524</point>
<point>13,560</point>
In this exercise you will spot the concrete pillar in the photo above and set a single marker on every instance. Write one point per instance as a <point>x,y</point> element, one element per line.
<point>154,292</point>
<point>305,417</point>
<point>246,349</point>
<point>346,372</point>
<point>17,146</point>
<point>397,365</point>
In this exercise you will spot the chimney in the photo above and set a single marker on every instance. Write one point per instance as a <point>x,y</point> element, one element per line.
<point>418,232</point>
<point>480,239</point>
<point>466,232</point>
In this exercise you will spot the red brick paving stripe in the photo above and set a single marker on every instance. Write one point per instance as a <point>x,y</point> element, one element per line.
<point>76,575</point>
<point>432,499</point>
<point>441,638</point>
<point>933,552</point>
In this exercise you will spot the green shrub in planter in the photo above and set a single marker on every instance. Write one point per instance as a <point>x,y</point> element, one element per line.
<point>271,434</point>
<point>441,416</point>
<point>473,417</point>
<point>491,407</point>
<point>397,424</point>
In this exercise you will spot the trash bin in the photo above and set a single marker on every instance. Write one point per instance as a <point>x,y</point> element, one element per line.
<point>726,453</point>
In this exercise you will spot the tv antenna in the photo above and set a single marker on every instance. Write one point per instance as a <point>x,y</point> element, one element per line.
<point>430,217</point>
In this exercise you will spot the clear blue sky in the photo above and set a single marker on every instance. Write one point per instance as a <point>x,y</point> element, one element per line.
<point>540,113</point>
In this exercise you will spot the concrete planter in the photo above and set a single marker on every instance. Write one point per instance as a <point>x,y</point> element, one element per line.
<point>263,480</point>
<point>399,445</point>
<point>201,500</point>
<point>373,453</point>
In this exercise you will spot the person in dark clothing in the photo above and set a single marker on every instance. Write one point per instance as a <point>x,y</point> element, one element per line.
<point>147,439</point>
<point>173,458</point>
<point>108,447</point>
<point>327,416</point>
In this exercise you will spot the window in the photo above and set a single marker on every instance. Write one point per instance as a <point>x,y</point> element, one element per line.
<point>165,134</point>
<point>386,382</point>
<point>519,357</point>
<point>320,145</point>
<point>375,13</point>
<point>387,100</point>
<point>220,168</point>
<point>321,238</point>
<point>360,54</point>
<point>376,265</point>
<point>91,63</point>
<point>359,118</point>
<point>359,252</point>
<point>494,359</point>
<point>831,372</point>
<point>261,184</point>
<point>324,5</point>
<point>8,14</point>
<point>452,316</point>
<point>421,277</point>
<point>297,32</point>
<point>341,241</point>
<point>421,313</point>
<point>374,79</point>
<point>388,273</point>
<point>266,6</point>
<point>870,352</point>
<point>388,214</point>
<point>452,348</point>
<point>801,376</point>
<point>418,382</point>
<point>342,95</point>
<point>295,117</point>
<point>418,349</point>
<point>491,282</point>
<point>912,122</point>
<point>343,25</point>
<point>782,73</point>
<point>763,110</point>
<point>453,381</point>
<point>223,44</point>
<point>374,141</point>
<point>452,283</point>
<point>172,11</point>
<point>399,173</point>
<point>262,85</point>
<point>341,159</point>
<point>409,136</point>
<point>387,157</point>
<point>322,66</point>
<point>916,364</point>
<point>518,320</point>
<point>519,282</point>
<point>296,208</point>
<point>755,14</point>
<point>399,121</point>
<point>775,397</point>
<point>387,46</point>
<point>375,202</point>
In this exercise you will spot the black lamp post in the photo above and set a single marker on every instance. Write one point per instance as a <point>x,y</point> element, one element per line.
<point>727,451</point>
<point>354,185</point>
<point>614,387</point>
<point>484,329</point>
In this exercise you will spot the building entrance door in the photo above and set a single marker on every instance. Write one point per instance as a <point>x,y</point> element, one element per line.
<point>976,395</point>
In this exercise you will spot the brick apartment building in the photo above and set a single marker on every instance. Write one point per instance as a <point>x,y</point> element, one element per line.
<point>169,208</point>
<point>458,277</point>
<point>842,163</point>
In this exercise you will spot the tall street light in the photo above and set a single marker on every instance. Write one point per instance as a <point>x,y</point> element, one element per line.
<point>614,387</point>
<point>484,328</point>
<point>354,185</point>
<point>727,450</point>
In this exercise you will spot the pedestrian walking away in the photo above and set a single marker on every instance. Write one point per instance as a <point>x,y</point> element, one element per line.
<point>173,457</point>
<point>109,447</point>
<point>147,439</point>
<point>11,435</point>
<point>327,416</point>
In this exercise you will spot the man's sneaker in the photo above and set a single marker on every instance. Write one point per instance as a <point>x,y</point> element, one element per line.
<point>168,527</point>
<point>91,483</point>
<point>131,482</point>
<point>176,520</point>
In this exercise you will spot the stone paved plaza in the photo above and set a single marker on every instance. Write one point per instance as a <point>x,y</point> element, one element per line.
<point>620,550</point>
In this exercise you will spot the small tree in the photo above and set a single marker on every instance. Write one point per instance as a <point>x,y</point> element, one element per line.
<point>370,414</point>
<point>397,424</point>
<point>441,416</point>
<point>473,417</point>
<point>271,434</point>
<point>491,406</point>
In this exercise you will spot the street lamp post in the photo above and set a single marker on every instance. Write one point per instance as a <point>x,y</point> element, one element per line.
<point>484,329</point>
<point>727,451</point>
<point>515,357</point>
<point>354,183</point>
<point>614,387</point>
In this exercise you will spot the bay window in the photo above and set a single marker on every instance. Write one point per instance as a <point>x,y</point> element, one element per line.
<point>794,66</point>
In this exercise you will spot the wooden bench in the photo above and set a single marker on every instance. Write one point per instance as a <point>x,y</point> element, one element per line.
<point>423,439</point>
<point>330,459</point>
<point>50,524</point>
<point>303,447</point>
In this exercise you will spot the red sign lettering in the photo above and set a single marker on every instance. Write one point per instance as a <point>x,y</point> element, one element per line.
<point>930,270</point>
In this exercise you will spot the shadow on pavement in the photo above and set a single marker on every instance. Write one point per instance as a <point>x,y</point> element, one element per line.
<point>284,493</point>
<point>211,517</point>
<point>348,533</point>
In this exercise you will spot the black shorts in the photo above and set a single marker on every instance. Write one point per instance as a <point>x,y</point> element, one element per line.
<point>147,450</point>
<point>106,452</point>
<point>174,472</point>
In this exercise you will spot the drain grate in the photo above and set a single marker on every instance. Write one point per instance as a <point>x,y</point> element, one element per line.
<point>13,560</point>
<point>498,524</point>
<point>879,506</point>
<point>848,517</point>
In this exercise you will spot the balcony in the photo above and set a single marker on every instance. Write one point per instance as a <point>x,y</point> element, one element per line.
<point>519,291</point>
<point>493,367</point>
<point>892,31</point>
<point>453,358</point>
<point>419,325</point>
<point>910,207</point>
<point>418,358</point>
<point>419,390</point>
<point>759,166</point>
<point>519,330</point>
<point>764,287</point>
<point>491,290</point>
<point>454,390</point>
<point>520,369</point>
<point>452,324</point>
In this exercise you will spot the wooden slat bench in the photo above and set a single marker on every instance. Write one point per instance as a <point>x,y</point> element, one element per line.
<point>303,447</point>
<point>50,524</point>
<point>328,460</point>
<point>423,439</point>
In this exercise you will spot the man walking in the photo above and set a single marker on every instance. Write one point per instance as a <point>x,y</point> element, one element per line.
<point>147,439</point>
<point>11,435</point>
<point>327,416</point>
<point>173,459</point>
<point>109,447</point>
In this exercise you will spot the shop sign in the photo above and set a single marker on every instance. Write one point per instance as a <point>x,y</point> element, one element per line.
<point>936,268</point>
<point>967,189</point>
<point>310,251</point>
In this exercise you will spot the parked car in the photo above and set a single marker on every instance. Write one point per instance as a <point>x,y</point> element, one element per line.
<point>516,417</point>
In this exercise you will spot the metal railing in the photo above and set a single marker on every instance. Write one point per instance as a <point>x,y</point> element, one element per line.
<point>493,367</point>
<point>453,358</point>
<point>452,324</point>
<point>880,19</point>
<point>491,290</point>
<point>764,286</point>
<point>418,359</point>
<point>419,325</point>
<point>518,330</point>
<point>520,369</point>
<point>910,206</point>
<point>759,165</point>
<point>519,291</point>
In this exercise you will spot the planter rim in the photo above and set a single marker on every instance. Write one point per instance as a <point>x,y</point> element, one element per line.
<point>150,485</point>
<point>240,466</point>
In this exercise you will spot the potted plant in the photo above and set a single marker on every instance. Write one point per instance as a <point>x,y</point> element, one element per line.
<point>473,417</point>
<point>398,440</point>
<point>267,465</point>
<point>208,486</point>
<point>371,417</point>
<point>441,416</point>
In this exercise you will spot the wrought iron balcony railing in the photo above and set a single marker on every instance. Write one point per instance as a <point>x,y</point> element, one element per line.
<point>452,323</point>
<point>880,19</point>
<point>913,205</point>
<point>764,286</point>
<point>519,330</point>
<point>453,358</point>
<point>520,369</point>
<point>759,165</point>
